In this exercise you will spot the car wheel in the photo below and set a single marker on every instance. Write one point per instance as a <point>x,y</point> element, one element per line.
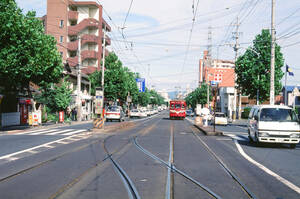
<point>292,146</point>
<point>250,138</point>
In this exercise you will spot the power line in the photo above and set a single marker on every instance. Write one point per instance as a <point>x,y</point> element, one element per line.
<point>127,13</point>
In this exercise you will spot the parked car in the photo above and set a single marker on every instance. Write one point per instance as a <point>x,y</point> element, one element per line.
<point>134,113</point>
<point>115,113</point>
<point>220,119</point>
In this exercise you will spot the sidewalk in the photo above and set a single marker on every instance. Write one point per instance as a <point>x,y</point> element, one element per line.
<point>209,130</point>
<point>19,128</point>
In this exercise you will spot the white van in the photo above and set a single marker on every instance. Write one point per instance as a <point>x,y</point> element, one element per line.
<point>273,124</point>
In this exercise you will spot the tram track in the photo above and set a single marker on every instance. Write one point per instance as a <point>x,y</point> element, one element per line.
<point>171,168</point>
<point>67,186</point>
<point>247,191</point>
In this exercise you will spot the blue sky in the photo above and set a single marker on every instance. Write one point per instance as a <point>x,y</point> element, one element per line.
<point>157,34</point>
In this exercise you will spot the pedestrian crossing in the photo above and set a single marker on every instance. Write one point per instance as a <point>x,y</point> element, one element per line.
<point>64,132</point>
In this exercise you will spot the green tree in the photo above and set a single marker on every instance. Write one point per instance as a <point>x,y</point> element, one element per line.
<point>26,53</point>
<point>118,80</point>
<point>253,68</point>
<point>198,96</point>
<point>55,97</point>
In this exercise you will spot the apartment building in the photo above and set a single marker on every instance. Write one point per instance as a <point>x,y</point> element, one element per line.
<point>221,72</point>
<point>73,21</point>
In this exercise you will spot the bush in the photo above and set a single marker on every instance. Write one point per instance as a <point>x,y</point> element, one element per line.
<point>53,117</point>
<point>246,112</point>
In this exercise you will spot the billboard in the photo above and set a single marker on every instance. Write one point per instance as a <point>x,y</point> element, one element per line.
<point>140,84</point>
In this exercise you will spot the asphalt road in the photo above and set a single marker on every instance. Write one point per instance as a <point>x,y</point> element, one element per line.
<point>152,158</point>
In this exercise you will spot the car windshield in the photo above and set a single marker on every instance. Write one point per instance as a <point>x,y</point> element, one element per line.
<point>278,114</point>
<point>189,111</point>
<point>134,110</point>
<point>220,115</point>
<point>113,109</point>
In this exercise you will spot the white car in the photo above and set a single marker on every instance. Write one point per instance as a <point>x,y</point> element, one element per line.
<point>220,119</point>
<point>134,113</point>
<point>274,124</point>
<point>115,113</point>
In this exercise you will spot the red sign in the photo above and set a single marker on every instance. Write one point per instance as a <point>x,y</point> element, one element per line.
<point>218,77</point>
<point>61,116</point>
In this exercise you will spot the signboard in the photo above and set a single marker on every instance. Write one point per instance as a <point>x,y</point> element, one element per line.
<point>98,101</point>
<point>35,119</point>
<point>98,105</point>
<point>141,84</point>
<point>218,77</point>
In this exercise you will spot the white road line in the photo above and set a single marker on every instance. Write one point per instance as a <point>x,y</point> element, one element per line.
<point>74,132</point>
<point>59,132</point>
<point>62,142</point>
<point>30,149</point>
<point>236,137</point>
<point>42,132</point>
<point>265,169</point>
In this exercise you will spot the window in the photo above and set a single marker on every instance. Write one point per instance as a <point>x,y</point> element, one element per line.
<point>278,114</point>
<point>61,23</point>
<point>61,54</point>
<point>61,39</point>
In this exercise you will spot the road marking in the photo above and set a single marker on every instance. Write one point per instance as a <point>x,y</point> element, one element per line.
<point>74,132</point>
<point>59,132</point>
<point>39,132</point>
<point>265,169</point>
<point>237,137</point>
<point>11,159</point>
<point>30,149</point>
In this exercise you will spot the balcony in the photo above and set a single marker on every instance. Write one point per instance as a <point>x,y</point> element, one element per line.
<point>107,41</point>
<point>90,39</point>
<point>73,15</point>
<point>73,61</point>
<point>90,22</point>
<point>72,46</point>
<point>89,69</point>
<point>89,54</point>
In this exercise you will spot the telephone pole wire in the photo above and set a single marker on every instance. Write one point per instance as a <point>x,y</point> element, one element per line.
<point>236,48</point>
<point>79,81</point>
<point>272,89</point>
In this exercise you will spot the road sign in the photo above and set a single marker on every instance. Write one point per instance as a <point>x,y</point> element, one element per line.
<point>141,84</point>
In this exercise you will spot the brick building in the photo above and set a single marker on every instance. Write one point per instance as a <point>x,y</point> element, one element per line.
<point>221,72</point>
<point>70,21</point>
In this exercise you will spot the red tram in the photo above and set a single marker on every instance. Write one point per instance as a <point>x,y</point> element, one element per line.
<point>177,109</point>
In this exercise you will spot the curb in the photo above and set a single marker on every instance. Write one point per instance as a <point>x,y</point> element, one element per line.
<point>209,131</point>
<point>110,128</point>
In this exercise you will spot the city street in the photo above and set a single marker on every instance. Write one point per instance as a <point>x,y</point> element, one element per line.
<point>154,158</point>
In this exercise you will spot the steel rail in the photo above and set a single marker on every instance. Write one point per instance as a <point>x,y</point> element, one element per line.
<point>169,185</point>
<point>173,168</point>
<point>225,167</point>
<point>129,185</point>
<point>77,179</point>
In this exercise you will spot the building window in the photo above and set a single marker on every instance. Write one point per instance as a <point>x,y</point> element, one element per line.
<point>61,39</point>
<point>61,54</point>
<point>61,24</point>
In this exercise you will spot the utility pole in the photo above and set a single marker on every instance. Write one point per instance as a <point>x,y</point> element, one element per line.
<point>272,90</point>
<point>209,46</point>
<point>79,81</point>
<point>236,48</point>
<point>102,70</point>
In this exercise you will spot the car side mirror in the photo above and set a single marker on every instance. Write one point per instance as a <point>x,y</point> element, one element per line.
<point>256,117</point>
